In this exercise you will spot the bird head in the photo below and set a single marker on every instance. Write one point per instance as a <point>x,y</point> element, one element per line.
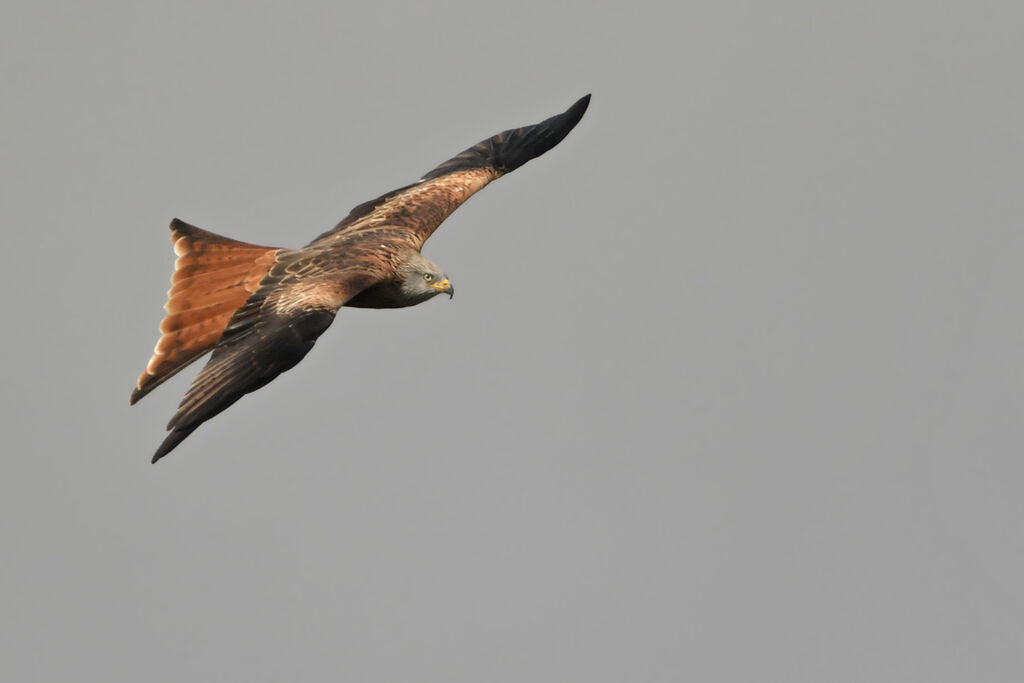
<point>423,280</point>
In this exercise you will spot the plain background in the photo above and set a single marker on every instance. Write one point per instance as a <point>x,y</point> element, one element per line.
<point>731,388</point>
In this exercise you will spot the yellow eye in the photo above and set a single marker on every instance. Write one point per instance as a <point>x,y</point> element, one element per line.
<point>428,277</point>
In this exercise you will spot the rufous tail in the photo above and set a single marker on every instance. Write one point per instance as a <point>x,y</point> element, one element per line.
<point>213,276</point>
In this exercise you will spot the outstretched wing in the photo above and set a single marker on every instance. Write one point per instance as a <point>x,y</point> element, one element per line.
<point>423,206</point>
<point>269,334</point>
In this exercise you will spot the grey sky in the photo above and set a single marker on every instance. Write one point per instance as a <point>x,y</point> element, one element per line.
<point>730,389</point>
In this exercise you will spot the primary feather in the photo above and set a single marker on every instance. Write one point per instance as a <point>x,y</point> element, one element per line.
<point>261,309</point>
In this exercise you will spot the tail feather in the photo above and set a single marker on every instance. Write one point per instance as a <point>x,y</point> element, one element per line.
<point>179,318</point>
<point>209,281</point>
<point>213,276</point>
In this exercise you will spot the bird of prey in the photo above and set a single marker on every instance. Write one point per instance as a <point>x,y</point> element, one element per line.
<point>260,309</point>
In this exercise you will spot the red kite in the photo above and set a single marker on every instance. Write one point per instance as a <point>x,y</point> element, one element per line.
<point>261,309</point>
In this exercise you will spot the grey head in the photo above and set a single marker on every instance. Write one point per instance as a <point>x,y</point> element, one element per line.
<point>418,280</point>
<point>422,280</point>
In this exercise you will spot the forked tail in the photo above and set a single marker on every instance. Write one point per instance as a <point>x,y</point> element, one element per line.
<point>213,276</point>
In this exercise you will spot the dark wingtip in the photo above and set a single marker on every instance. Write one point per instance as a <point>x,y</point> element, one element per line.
<point>171,442</point>
<point>136,395</point>
<point>576,111</point>
<point>518,146</point>
<point>507,151</point>
<point>568,120</point>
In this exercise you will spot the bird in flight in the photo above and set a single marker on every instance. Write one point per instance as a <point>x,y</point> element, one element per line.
<point>261,309</point>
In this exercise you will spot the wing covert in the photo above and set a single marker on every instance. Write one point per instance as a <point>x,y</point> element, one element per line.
<point>424,205</point>
<point>268,335</point>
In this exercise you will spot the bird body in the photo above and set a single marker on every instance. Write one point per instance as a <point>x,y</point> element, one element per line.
<point>260,309</point>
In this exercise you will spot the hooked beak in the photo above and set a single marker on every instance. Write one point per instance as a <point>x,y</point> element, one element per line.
<point>445,287</point>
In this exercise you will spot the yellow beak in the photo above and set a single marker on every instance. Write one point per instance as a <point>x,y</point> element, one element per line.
<point>444,286</point>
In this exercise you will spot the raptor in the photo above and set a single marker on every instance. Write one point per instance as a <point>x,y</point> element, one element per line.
<point>260,309</point>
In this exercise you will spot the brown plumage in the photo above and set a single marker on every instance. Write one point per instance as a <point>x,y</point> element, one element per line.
<point>261,309</point>
<point>213,276</point>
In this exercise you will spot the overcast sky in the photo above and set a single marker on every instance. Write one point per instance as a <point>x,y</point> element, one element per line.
<point>731,388</point>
